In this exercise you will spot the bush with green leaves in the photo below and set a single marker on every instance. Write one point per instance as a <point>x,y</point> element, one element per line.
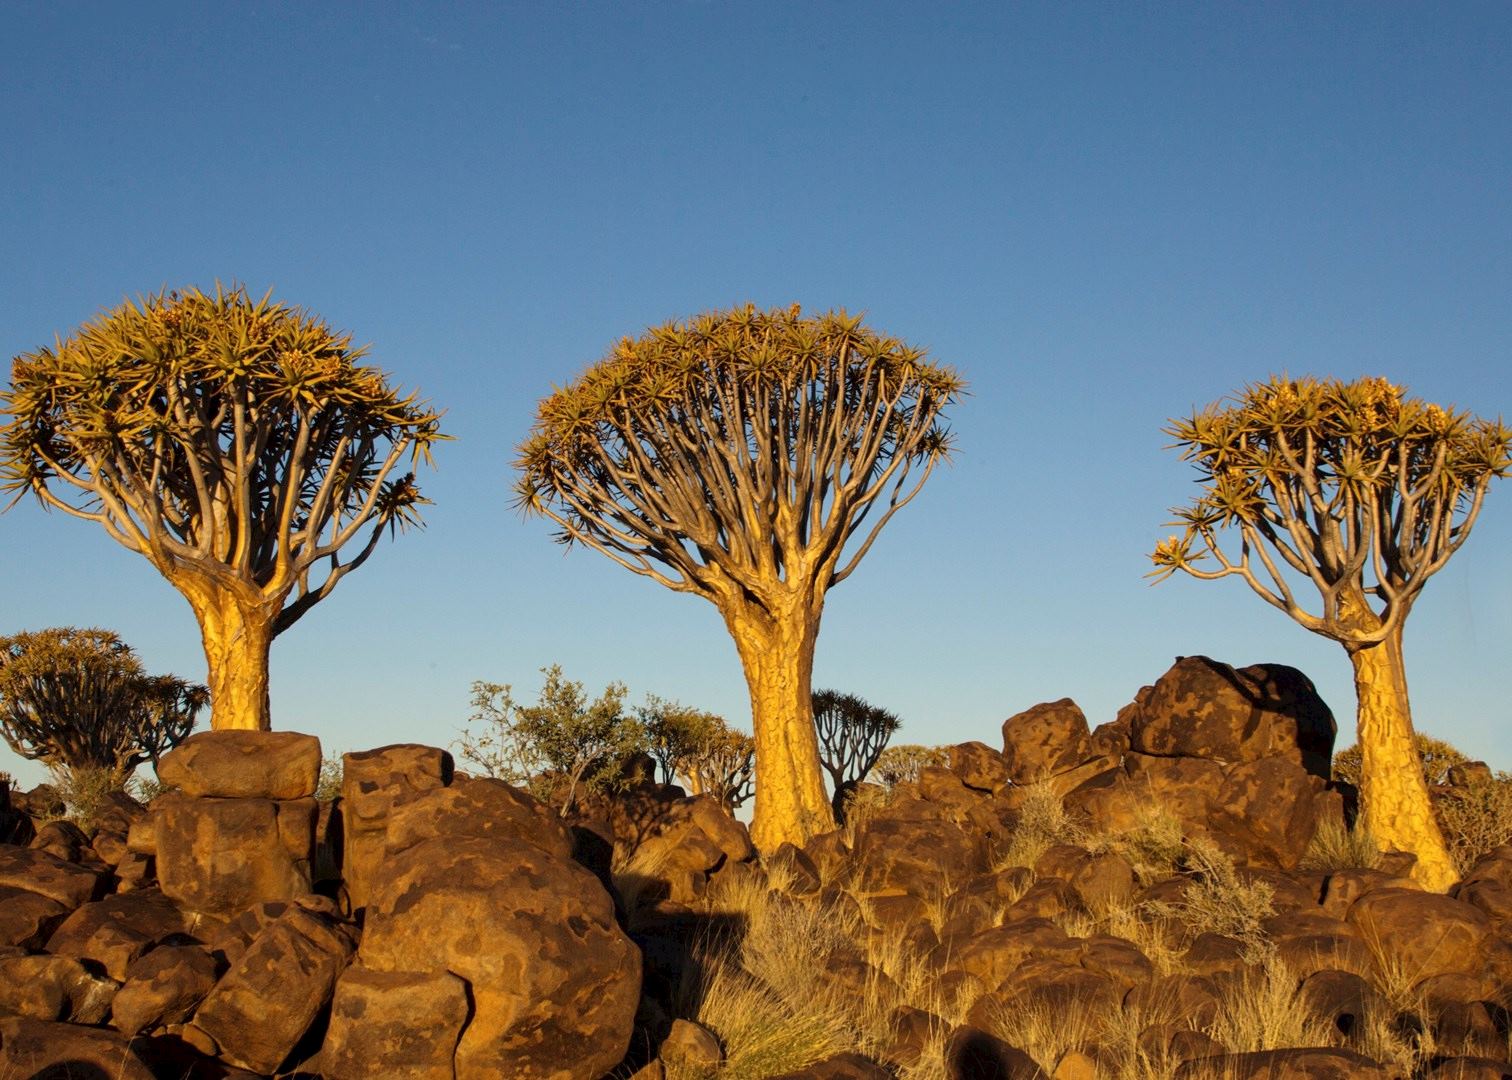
<point>560,747</point>
<point>80,700</point>
<point>700,750</point>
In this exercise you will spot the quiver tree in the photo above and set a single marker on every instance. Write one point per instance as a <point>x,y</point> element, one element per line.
<point>751,458</point>
<point>852,736</point>
<point>80,700</point>
<point>237,444</point>
<point>1366,493</point>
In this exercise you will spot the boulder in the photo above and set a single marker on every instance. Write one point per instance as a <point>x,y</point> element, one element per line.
<point>115,931</point>
<point>39,1050</point>
<point>373,783</point>
<point>1342,998</point>
<point>911,847</point>
<point>1420,934</point>
<point>554,982</point>
<point>1044,740</point>
<point>974,1054</point>
<point>1268,809</point>
<point>27,919</point>
<point>1205,709</point>
<point>394,1023</point>
<point>47,875</point>
<point>47,987</point>
<point>163,987</point>
<point>1469,1068</point>
<point>258,1012</point>
<point>221,855</point>
<point>979,766</point>
<point>480,808</point>
<point>243,765</point>
<point>678,853</point>
<point>1186,786</point>
<point>690,1049</point>
<point>61,838</point>
<point>993,955</point>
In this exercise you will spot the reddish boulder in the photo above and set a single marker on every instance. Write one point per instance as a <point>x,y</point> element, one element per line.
<point>554,982</point>
<point>220,855</point>
<point>1044,740</point>
<point>912,848</point>
<point>47,875</point>
<point>1205,709</point>
<point>373,783</point>
<point>27,919</point>
<point>243,765</point>
<point>115,931</point>
<point>39,1050</point>
<point>390,1023</point>
<point>61,838</point>
<point>1420,934</point>
<point>265,1003</point>
<point>979,766</point>
<point>1185,786</point>
<point>1267,808</point>
<point>47,987</point>
<point>163,987</point>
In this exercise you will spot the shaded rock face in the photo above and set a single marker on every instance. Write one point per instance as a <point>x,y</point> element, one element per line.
<point>221,855</point>
<point>553,981</point>
<point>1205,709</point>
<point>373,783</point>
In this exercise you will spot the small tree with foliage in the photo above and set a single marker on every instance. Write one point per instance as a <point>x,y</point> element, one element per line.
<point>80,700</point>
<point>676,734</point>
<point>724,767</point>
<point>1437,758</point>
<point>750,458</point>
<point>236,444</point>
<point>1364,493</point>
<point>559,746</point>
<point>852,735</point>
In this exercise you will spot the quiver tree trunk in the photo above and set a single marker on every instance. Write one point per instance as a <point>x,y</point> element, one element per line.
<point>237,633</point>
<point>1394,799</point>
<point>777,654</point>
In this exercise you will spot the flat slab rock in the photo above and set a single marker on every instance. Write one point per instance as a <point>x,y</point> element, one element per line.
<point>244,765</point>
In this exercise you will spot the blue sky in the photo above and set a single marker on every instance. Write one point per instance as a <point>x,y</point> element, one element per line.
<point>1102,215</point>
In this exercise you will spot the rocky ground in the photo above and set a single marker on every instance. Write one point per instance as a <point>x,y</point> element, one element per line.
<point>1175,894</point>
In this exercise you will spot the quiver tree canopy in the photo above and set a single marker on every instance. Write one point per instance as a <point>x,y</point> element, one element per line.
<point>852,735</point>
<point>1365,492</point>
<point>238,444</point>
<point>750,457</point>
<point>80,699</point>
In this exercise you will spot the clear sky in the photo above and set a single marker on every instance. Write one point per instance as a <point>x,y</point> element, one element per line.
<point>1102,215</point>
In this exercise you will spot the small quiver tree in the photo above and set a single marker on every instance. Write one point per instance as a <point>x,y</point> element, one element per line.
<point>751,458</point>
<point>852,736</point>
<point>236,444</point>
<point>80,701</point>
<point>1365,493</point>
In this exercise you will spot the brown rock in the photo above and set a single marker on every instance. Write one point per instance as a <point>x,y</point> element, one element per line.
<point>115,931</point>
<point>1204,709</point>
<point>1343,998</point>
<point>1109,802</point>
<point>911,1031</point>
<point>394,1023</point>
<point>163,987</point>
<point>1076,1065</point>
<point>1049,738</point>
<point>1194,998</point>
<point>61,838</point>
<point>39,1050</point>
<point>979,766</point>
<point>1305,954</point>
<point>554,981</point>
<point>1165,1043</point>
<point>1186,786</point>
<point>47,875</point>
<point>477,807</point>
<point>266,1002</point>
<point>1045,899</point>
<point>1420,934</point>
<point>373,783</point>
<point>1470,1068</point>
<point>47,987</point>
<point>27,919</point>
<point>690,1048</point>
<point>973,1054</point>
<point>679,851</point>
<point>1466,1027</point>
<point>221,855</point>
<point>796,872</point>
<point>1268,807</point>
<point>917,851</point>
<point>1343,887</point>
<point>994,955</point>
<point>1309,1064</point>
<point>243,765</point>
<point>1119,960</point>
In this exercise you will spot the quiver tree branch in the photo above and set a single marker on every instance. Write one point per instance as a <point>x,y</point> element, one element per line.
<point>238,444</point>
<point>1365,492</point>
<point>751,458</point>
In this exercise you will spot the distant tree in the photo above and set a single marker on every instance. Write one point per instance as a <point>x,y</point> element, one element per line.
<point>852,735</point>
<point>559,746</point>
<point>80,700</point>
<point>1365,493</point>
<point>237,445</point>
<point>740,457</point>
<point>903,764</point>
<point>724,767</point>
<point>676,734</point>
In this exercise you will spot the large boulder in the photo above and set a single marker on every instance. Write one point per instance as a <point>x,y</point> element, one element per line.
<point>1269,809</point>
<point>163,987</point>
<point>47,987</point>
<point>27,919</point>
<point>39,1050</point>
<point>554,983</point>
<point>394,1023</point>
<point>1419,935</point>
<point>47,875</point>
<point>243,765</point>
<point>1205,709</point>
<point>263,1006</point>
<point>115,931</point>
<point>373,783</point>
<point>221,855</point>
<point>1045,740</point>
